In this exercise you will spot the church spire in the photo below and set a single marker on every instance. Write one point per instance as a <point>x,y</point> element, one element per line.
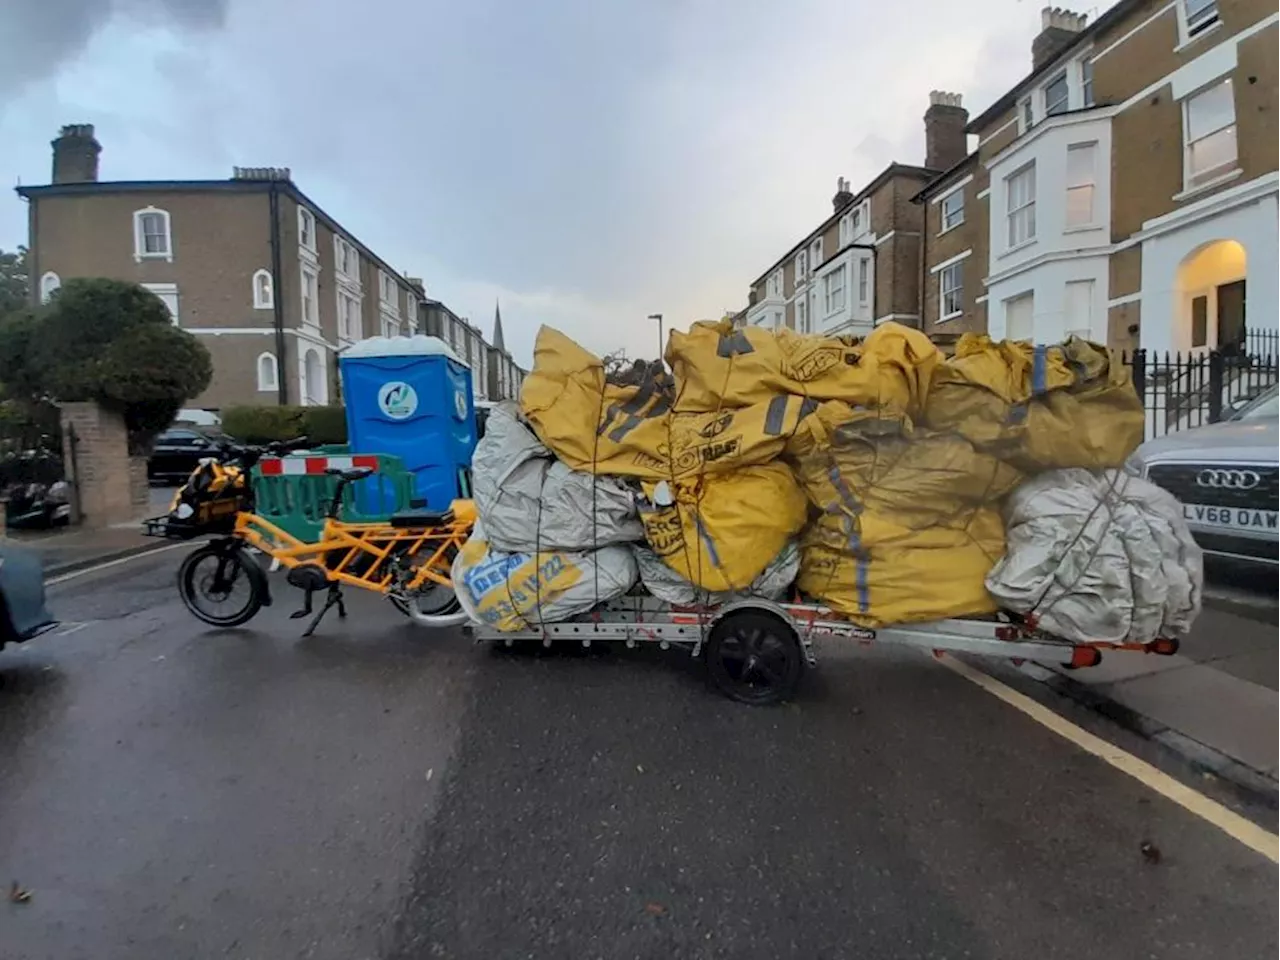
<point>498,342</point>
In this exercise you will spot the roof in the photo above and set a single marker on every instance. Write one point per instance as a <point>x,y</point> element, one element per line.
<point>196,186</point>
<point>880,179</point>
<point>417,345</point>
<point>942,179</point>
<point>1010,98</point>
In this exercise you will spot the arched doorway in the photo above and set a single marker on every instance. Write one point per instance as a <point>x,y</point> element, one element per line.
<point>314,387</point>
<point>1211,298</point>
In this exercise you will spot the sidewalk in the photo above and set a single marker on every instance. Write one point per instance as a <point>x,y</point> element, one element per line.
<point>1215,703</point>
<point>68,550</point>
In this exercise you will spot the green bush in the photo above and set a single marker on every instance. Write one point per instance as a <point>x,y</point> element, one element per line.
<point>105,341</point>
<point>253,424</point>
<point>325,424</point>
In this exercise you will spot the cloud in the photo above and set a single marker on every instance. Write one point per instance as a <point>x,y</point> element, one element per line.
<point>588,162</point>
<point>41,36</point>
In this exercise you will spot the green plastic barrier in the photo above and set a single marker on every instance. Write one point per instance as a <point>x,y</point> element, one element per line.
<point>296,503</point>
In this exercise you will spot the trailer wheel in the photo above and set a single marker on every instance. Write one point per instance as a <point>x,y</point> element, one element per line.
<point>754,657</point>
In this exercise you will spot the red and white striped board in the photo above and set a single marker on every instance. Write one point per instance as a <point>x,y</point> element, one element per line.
<point>312,466</point>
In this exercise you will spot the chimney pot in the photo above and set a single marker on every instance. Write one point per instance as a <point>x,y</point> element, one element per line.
<point>945,142</point>
<point>1058,30</point>
<point>75,154</point>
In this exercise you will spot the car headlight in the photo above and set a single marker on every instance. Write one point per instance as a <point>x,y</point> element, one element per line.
<point>1135,466</point>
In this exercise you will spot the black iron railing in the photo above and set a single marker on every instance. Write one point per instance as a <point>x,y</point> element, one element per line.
<point>1181,391</point>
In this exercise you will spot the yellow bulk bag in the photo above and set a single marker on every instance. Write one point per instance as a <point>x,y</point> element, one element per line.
<point>515,591</point>
<point>919,575</point>
<point>722,530</point>
<point>629,431</point>
<point>716,365</point>
<point>1037,407</point>
<point>860,465</point>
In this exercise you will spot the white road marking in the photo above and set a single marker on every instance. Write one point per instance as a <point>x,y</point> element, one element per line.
<point>1228,821</point>
<point>111,563</point>
<point>73,628</point>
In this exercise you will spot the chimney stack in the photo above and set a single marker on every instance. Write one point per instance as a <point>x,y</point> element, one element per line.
<point>75,154</point>
<point>945,142</point>
<point>843,197</point>
<point>1059,29</point>
<point>260,173</point>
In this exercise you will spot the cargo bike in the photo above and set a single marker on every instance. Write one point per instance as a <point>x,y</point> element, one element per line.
<point>756,649</point>
<point>407,557</point>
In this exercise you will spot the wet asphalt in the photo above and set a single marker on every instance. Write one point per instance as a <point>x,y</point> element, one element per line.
<point>380,791</point>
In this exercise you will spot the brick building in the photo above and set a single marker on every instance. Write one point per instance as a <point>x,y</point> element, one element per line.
<point>1125,189</point>
<point>495,374</point>
<point>273,286</point>
<point>861,265</point>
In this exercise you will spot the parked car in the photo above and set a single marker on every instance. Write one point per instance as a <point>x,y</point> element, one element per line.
<point>205,420</point>
<point>23,613</point>
<point>1226,475</point>
<point>176,453</point>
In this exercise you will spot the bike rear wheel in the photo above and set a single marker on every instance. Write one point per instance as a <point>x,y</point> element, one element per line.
<point>217,585</point>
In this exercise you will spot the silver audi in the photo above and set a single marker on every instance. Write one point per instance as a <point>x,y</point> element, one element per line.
<point>1225,474</point>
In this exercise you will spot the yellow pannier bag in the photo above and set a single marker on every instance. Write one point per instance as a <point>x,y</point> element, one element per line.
<point>720,531</point>
<point>716,365</point>
<point>918,575</point>
<point>1038,407</point>
<point>630,431</point>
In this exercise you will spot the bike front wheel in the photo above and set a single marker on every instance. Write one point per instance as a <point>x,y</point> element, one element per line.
<point>221,585</point>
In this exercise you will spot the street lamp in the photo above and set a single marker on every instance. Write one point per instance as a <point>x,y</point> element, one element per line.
<point>661,342</point>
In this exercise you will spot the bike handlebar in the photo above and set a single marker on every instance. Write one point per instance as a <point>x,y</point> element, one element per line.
<point>240,451</point>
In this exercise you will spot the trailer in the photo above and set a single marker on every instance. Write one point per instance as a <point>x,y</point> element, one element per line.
<point>756,650</point>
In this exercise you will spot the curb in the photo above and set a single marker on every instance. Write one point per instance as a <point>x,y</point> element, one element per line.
<point>1254,784</point>
<point>84,563</point>
<point>1260,612</point>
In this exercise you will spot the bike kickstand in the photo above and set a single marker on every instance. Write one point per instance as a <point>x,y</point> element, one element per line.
<point>334,599</point>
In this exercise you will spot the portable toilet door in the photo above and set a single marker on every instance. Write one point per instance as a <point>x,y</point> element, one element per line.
<point>411,397</point>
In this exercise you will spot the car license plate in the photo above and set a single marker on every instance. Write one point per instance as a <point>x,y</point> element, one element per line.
<point>1231,518</point>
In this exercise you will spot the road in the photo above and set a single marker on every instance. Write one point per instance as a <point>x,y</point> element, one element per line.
<point>378,791</point>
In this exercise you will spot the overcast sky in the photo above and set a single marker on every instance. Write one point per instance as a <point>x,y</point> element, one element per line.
<point>587,161</point>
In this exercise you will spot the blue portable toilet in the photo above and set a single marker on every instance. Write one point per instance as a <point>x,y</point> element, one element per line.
<point>410,397</point>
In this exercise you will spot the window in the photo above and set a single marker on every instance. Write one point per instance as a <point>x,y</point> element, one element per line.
<point>777,320</point>
<point>815,254</point>
<point>1086,82</point>
<point>952,209</point>
<point>1020,204</point>
<point>1080,176</point>
<point>864,269</point>
<point>168,294</point>
<point>846,230</point>
<point>857,222</point>
<point>306,229</point>
<point>1199,15</point>
<point>1079,308</point>
<point>410,309</point>
<point>833,285</point>
<point>1019,317</point>
<point>390,326</point>
<point>350,327</point>
<point>802,267</point>
<point>775,284</point>
<point>151,236</point>
<point>802,319</point>
<point>49,285</point>
<point>1199,321</point>
<point>310,314</point>
<point>1025,120</point>
<point>346,259</point>
<point>1056,95</point>
<point>951,291</point>
<point>268,372</point>
<point>386,289</point>
<point>263,294</point>
<point>1209,130</point>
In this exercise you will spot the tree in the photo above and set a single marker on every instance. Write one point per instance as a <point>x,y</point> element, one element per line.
<point>15,285</point>
<point>110,342</point>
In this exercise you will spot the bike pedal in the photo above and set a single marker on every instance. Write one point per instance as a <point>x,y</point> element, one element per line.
<point>299,614</point>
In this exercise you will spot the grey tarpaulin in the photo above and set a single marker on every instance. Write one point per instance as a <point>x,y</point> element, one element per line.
<point>665,584</point>
<point>511,471</point>
<point>1099,556</point>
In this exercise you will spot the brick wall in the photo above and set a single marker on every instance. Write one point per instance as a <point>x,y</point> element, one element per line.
<point>110,486</point>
